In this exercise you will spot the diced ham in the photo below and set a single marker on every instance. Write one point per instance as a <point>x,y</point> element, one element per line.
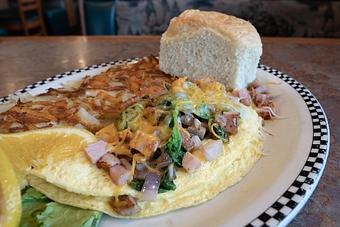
<point>260,88</point>
<point>119,175</point>
<point>187,119</point>
<point>266,112</point>
<point>145,143</point>
<point>187,142</point>
<point>124,205</point>
<point>245,97</point>
<point>96,150</point>
<point>200,132</point>
<point>190,162</point>
<point>263,113</point>
<point>261,100</point>
<point>231,122</point>
<point>107,161</point>
<point>125,163</point>
<point>212,148</point>
<point>228,121</point>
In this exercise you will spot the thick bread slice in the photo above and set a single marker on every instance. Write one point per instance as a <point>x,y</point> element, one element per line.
<point>200,44</point>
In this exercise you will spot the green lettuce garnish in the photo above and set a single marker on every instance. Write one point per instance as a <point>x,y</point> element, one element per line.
<point>38,210</point>
<point>56,214</point>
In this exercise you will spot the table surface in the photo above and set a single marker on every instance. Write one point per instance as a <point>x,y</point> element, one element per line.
<point>313,62</point>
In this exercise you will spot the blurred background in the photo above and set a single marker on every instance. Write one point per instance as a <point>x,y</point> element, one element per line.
<point>300,18</point>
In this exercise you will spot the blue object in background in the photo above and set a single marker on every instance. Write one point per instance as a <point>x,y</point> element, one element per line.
<point>100,17</point>
<point>3,32</point>
<point>56,19</point>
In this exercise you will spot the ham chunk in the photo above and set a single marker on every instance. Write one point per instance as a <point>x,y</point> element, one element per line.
<point>119,174</point>
<point>124,205</point>
<point>190,162</point>
<point>107,161</point>
<point>228,121</point>
<point>96,150</point>
<point>212,148</point>
<point>145,143</point>
<point>187,142</point>
<point>245,97</point>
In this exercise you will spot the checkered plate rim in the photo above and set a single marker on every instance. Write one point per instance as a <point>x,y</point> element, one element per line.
<point>283,210</point>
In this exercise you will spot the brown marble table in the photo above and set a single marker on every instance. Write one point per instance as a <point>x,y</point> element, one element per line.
<point>313,62</point>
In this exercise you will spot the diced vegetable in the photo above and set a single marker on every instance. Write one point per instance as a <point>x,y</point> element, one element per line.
<point>196,140</point>
<point>150,186</point>
<point>212,148</point>
<point>190,162</point>
<point>171,172</point>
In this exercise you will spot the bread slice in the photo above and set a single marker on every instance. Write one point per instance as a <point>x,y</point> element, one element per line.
<point>201,44</point>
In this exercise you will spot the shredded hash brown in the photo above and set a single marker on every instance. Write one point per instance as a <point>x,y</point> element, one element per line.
<point>93,104</point>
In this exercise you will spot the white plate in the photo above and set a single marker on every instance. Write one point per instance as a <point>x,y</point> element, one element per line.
<point>279,184</point>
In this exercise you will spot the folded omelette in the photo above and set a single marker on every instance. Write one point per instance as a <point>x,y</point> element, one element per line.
<point>161,144</point>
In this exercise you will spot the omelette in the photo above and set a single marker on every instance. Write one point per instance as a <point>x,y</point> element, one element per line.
<point>161,143</point>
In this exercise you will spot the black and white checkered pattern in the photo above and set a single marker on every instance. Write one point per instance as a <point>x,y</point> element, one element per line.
<point>308,177</point>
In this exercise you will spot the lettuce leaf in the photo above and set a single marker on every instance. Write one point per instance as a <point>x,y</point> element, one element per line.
<point>38,210</point>
<point>33,203</point>
<point>57,214</point>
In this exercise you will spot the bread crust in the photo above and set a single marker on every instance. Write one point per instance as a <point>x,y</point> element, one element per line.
<point>241,33</point>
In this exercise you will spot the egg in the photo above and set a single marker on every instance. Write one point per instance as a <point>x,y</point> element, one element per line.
<point>236,160</point>
<point>70,178</point>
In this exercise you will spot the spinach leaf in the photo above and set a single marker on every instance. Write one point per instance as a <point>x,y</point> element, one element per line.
<point>203,111</point>
<point>166,185</point>
<point>219,132</point>
<point>174,144</point>
<point>137,184</point>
